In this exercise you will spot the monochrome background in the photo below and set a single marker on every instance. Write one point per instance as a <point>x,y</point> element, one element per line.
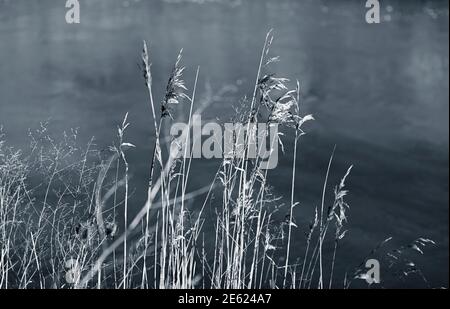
<point>379,92</point>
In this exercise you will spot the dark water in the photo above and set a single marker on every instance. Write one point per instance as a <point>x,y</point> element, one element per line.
<point>379,92</point>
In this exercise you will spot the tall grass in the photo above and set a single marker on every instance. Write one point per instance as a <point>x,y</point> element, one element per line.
<point>65,211</point>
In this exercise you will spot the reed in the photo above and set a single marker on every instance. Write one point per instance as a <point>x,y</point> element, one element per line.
<point>65,210</point>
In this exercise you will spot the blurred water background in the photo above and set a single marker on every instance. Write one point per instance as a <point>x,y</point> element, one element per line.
<point>379,92</point>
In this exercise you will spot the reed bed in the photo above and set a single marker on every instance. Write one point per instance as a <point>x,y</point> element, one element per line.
<point>65,210</point>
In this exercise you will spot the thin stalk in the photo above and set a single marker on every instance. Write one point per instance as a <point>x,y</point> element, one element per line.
<point>320,286</point>
<point>291,209</point>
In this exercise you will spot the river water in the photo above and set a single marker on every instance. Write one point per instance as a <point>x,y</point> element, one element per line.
<point>379,93</point>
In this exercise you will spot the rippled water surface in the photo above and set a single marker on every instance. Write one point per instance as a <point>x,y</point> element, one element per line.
<point>379,92</point>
